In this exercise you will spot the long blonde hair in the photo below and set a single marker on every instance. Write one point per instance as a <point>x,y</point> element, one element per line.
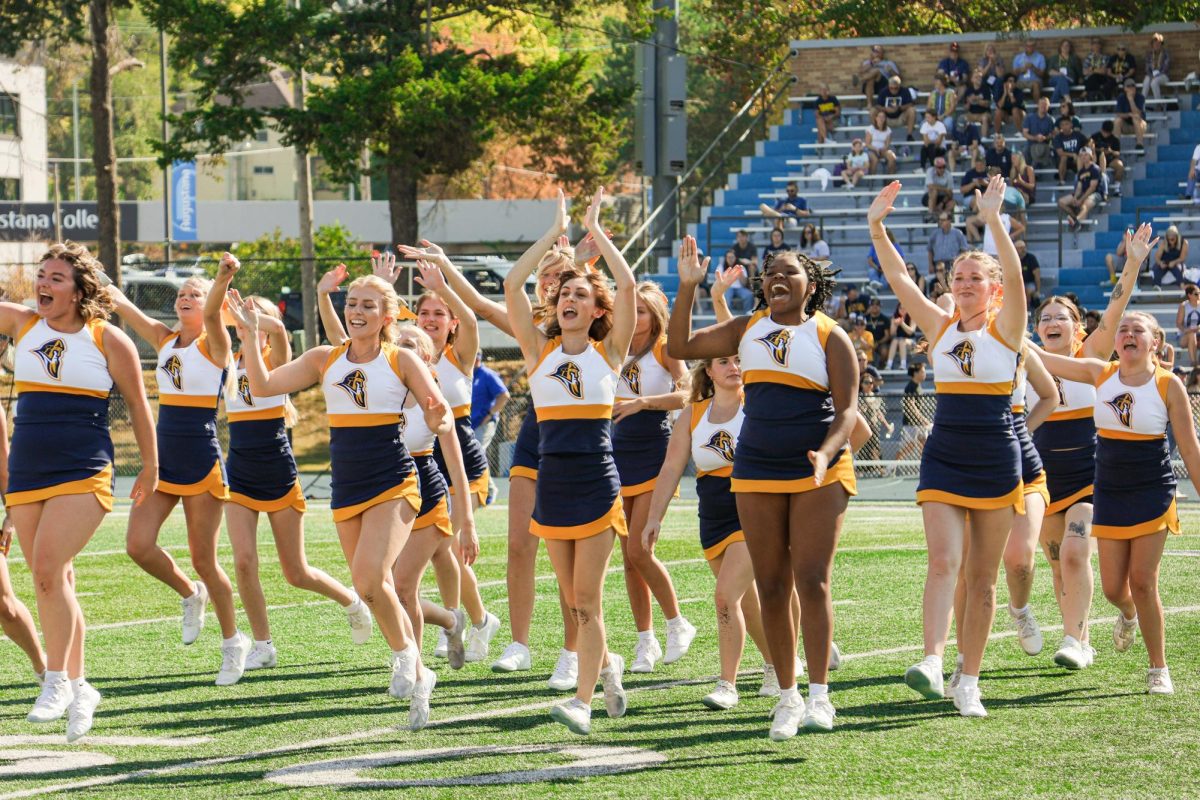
<point>657,304</point>
<point>269,309</point>
<point>391,302</point>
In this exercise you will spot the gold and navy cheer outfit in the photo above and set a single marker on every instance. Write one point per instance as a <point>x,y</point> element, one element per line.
<point>525,448</point>
<point>972,458</point>
<point>640,440</point>
<point>420,441</point>
<point>713,446</point>
<point>1135,485</point>
<point>60,442</point>
<point>1033,476</point>
<point>788,407</point>
<point>369,463</point>
<point>578,490</point>
<point>1067,444</point>
<point>190,384</point>
<point>456,386</point>
<point>262,470</point>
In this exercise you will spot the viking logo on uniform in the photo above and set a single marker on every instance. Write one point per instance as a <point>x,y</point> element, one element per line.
<point>721,443</point>
<point>1062,395</point>
<point>963,354</point>
<point>570,377</point>
<point>355,385</point>
<point>403,422</point>
<point>778,344</point>
<point>1122,406</point>
<point>632,375</point>
<point>51,356</point>
<point>174,369</point>
<point>243,387</point>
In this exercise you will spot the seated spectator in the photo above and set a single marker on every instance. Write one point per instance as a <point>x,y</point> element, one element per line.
<point>1038,130</point>
<point>1171,259</point>
<point>875,274</point>
<point>977,231</point>
<point>978,99</point>
<point>991,67</point>
<point>878,325</point>
<point>876,71</point>
<point>777,245</point>
<point>1187,321</point>
<point>963,141</point>
<point>1192,192</point>
<point>915,275</point>
<point>1107,147</point>
<point>1064,70</point>
<point>1091,320</point>
<point>902,333</point>
<point>939,189</point>
<point>811,243</point>
<point>974,179</point>
<point>860,337</point>
<point>1112,260</point>
<point>998,155</point>
<point>1131,112</point>
<point>739,291</point>
<point>1066,108</point>
<point>933,139</point>
<point>746,253</point>
<point>1098,82</point>
<point>1031,274</point>
<point>896,102</point>
<point>1087,194</point>
<point>1029,67</point>
<point>917,418</point>
<point>1123,66</point>
<point>879,143</point>
<point>854,303</point>
<point>1023,178</point>
<point>871,406</point>
<point>856,164</point>
<point>828,112</point>
<point>1158,63</point>
<point>788,209</point>
<point>1010,104</point>
<point>867,368</point>
<point>945,244</point>
<point>1067,144</point>
<point>942,101</point>
<point>1014,200</point>
<point>954,70</point>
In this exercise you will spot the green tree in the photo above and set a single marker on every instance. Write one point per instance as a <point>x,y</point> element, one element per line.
<point>272,261</point>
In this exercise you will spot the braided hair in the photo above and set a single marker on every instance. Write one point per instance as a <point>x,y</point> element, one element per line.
<point>820,277</point>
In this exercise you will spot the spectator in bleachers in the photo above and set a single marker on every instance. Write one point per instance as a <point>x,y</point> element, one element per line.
<point>1192,192</point>
<point>879,326</point>
<point>1123,66</point>
<point>1087,195</point>
<point>1023,178</point>
<point>876,71</point>
<point>1064,70</point>
<point>1187,321</point>
<point>811,243</point>
<point>916,419</point>
<point>933,139</point>
<point>1010,104</point>
<point>978,231</point>
<point>964,140</point>
<point>1031,274</point>
<point>954,69</point>
<point>1030,68</point>
<point>945,244</point>
<point>1107,147</point>
<point>1111,260</point>
<point>777,244</point>
<point>853,302</point>
<point>1098,82</point>
<point>1038,130</point>
<point>978,99</point>
<point>896,102</point>
<point>1171,259</point>
<point>974,178</point>
<point>860,337</point>
<point>1193,382</point>
<point>939,189</point>
<point>879,142</point>
<point>867,368</point>
<point>1091,319</point>
<point>902,332</point>
<point>1158,63</point>
<point>739,291</point>
<point>915,276</point>
<point>998,155</point>
<point>828,112</point>
<point>871,406</point>
<point>942,101</point>
<point>990,67</point>
<point>1067,144</point>
<point>745,253</point>
<point>788,209</point>
<point>856,164</point>
<point>1066,108</point>
<point>874,270</point>
<point>1131,112</point>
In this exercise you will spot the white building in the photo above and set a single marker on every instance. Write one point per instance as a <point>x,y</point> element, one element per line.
<point>23,165</point>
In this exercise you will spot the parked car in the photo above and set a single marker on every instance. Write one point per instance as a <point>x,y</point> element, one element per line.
<point>155,296</point>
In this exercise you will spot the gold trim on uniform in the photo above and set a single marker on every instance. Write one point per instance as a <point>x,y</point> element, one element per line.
<point>1038,486</point>
<point>409,490</point>
<point>718,549</point>
<point>614,518</point>
<point>1168,521</point>
<point>842,472</point>
<point>1015,498</point>
<point>293,499</point>
<point>99,484</point>
<point>438,519</point>
<point>1059,506</point>
<point>213,483</point>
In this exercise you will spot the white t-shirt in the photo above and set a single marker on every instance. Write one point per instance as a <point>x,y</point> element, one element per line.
<point>878,140</point>
<point>930,133</point>
<point>989,243</point>
<point>1196,156</point>
<point>818,252</point>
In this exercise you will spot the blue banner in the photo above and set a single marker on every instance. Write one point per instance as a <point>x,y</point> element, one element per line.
<point>183,201</point>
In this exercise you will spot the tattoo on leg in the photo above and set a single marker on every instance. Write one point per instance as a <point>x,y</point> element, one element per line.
<point>1079,529</point>
<point>1053,548</point>
<point>723,616</point>
<point>583,617</point>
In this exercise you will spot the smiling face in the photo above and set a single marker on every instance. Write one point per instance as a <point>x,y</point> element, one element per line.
<point>785,285</point>
<point>434,317</point>
<point>726,373</point>
<point>576,306</point>
<point>57,295</point>
<point>1056,327</point>
<point>972,286</point>
<point>365,313</point>
<point>189,301</point>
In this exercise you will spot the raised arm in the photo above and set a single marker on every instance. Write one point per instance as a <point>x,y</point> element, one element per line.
<point>1137,247</point>
<point>151,330</point>
<point>1081,370</point>
<point>125,367</point>
<point>335,332</point>
<point>1043,384</point>
<point>679,450</point>
<point>466,343</point>
<point>1013,314</point>
<point>1179,412</point>
<point>625,301</point>
<point>293,376</point>
<point>219,343</point>
<point>927,314</point>
<point>715,341</point>
<point>485,309</point>
<point>516,301</point>
<point>722,281</point>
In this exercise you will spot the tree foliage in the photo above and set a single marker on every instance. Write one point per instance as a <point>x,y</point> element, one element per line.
<point>272,261</point>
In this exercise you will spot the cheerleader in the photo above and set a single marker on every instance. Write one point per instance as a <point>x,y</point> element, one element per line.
<point>376,494</point>
<point>60,467</point>
<point>971,463</point>
<point>573,370</point>
<point>263,479</point>
<point>15,619</point>
<point>646,395</point>
<point>1133,506</point>
<point>192,361</point>
<point>801,378</point>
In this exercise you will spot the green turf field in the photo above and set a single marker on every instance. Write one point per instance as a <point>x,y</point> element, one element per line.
<point>164,729</point>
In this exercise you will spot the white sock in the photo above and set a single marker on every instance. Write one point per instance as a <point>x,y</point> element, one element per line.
<point>53,676</point>
<point>569,653</point>
<point>265,642</point>
<point>968,682</point>
<point>646,636</point>
<point>671,623</point>
<point>934,659</point>
<point>78,683</point>
<point>411,650</point>
<point>1070,640</point>
<point>237,637</point>
<point>354,604</point>
<point>195,591</point>
<point>789,694</point>
<point>1016,612</point>
<point>1129,620</point>
<point>480,625</point>
<point>816,690</point>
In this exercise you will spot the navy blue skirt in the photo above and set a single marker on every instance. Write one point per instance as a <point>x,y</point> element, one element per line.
<point>1134,489</point>
<point>577,496</point>
<point>525,450</point>
<point>639,448</point>
<point>972,458</point>
<point>368,466</point>
<point>189,455</point>
<point>261,466</point>
<point>57,439</point>
<point>719,523</point>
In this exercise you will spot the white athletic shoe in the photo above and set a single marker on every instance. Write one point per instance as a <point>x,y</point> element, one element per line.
<point>456,652</point>
<point>1124,632</point>
<point>404,672</point>
<point>1158,681</point>
<point>479,638</point>
<point>835,658</point>
<point>1028,631</point>
<point>955,676</point>
<point>443,644</point>
<point>770,684</point>
<point>418,710</point>
<point>53,701</point>
<point>1070,654</point>
<point>786,718</point>
<point>193,613</point>
<point>646,655</point>
<point>233,660</point>
<point>679,638</point>
<point>1090,652</point>
<point>966,700</point>
<point>515,658</point>
<point>359,617</point>
<point>614,692</point>
<point>819,714</point>
<point>82,711</point>
<point>40,677</point>
<point>566,672</point>
<point>723,698</point>
<point>262,655</point>
<point>925,678</point>
<point>575,714</point>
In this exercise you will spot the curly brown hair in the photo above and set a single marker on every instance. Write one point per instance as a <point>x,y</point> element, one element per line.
<point>600,326</point>
<point>819,274</point>
<point>94,301</point>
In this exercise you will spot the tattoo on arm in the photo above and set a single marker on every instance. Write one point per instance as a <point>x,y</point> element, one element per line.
<point>1118,292</point>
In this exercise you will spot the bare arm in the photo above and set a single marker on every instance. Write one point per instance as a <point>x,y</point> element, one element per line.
<point>293,376</point>
<point>625,301</point>
<point>125,367</point>
<point>679,450</point>
<point>1013,314</point>
<point>1043,383</point>
<point>466,343</point>
<point>335,332</point>
<point>1137,247</point>
<point>219,343</point>
<point>13,317</point>
<point>1179,412</point>
<point>462,515</point>
<point>926,313</point>
<point>151,330</point>
<point>723,279</point>
<point>1081,370</point>
<point>484,308</point>
<point>715,341</point>
<point>843,386</point>
<point>520,312</point>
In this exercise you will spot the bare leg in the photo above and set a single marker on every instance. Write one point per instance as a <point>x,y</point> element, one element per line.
<point>989,534</point>
<point>765,519</point>
<point>1078,583</point>
<point>372,541</point>
<point>141,542</point>
<point>242,526</point>
<point>735,574</point>
<point>1020,551</point>
<point>202,514</point>
<point>580,567</point>
<point>407,571</point>
<point>17,622</point>
<point>816,524</point>
<point>944,532</point>
<point>287,526</point>
<point>1145,554</point>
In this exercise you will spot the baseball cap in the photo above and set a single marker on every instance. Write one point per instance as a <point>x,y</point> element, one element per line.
<point>954,45</point>
<point>1130,82</point>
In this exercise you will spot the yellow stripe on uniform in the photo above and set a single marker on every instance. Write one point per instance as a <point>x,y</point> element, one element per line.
<point>99,484</point>
<point>30,386</point>
<point>213,483</point>
<point>408,490</point>
<point>256,414</point>
<point>970,387</point>
<point>785,378</point>
<point>842,472</point>
<point>438,519</point>
<point>1015,498</point>
<point>1168,521</point>
<point>362,420</point>
<point>614,518</point>
<point>718,549</point>
<point>293,499</point>
<point>598,411</point>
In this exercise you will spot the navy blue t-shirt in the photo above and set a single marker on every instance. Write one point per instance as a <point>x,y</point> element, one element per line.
<point>486,386</point>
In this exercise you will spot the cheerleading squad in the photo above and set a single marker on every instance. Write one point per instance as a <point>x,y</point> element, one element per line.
<point>1056,445</point>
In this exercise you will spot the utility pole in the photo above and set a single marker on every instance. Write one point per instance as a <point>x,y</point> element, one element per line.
<point>162,90</point>
<point>75,140</point>
<point>308,266</point>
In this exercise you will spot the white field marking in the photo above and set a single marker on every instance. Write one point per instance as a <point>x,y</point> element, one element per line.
<point>109,741</point>
<point>476,717</point>
<point>1192,553</point>
<point>30,763</point>
<point>589,761</point>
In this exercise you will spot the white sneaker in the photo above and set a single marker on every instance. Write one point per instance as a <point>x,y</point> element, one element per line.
<point>566,672</point>
<point>614,692</point>
<point>40,677</point>
<point>262,655</point>
<point>770,684</point>
<point>646,655</point>
<point>926,679</point>
<point>418,710</point>
<point>193,613</point>
<point>723,698</point>
<point>515,658</point>
<point>479,639</point>
<point>53,701</point>
<point>1124,632</point>
<point>456,652</point>
<point>443,644</point>
<point>1158,681</point>
<point>82,711</point>
<point>835,658</point>
<point>575,714</point>
<point>1070,654</point>
<point>1090,652</point>
<point>786,718</point>
<point>404,672</point>
<point>233,660</point>
<point>1028,631</point>
<point>966,700</point>
<point>819,714</point>
<point>955,676</point>
<point>679,639</point>
<point>359,617</point>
